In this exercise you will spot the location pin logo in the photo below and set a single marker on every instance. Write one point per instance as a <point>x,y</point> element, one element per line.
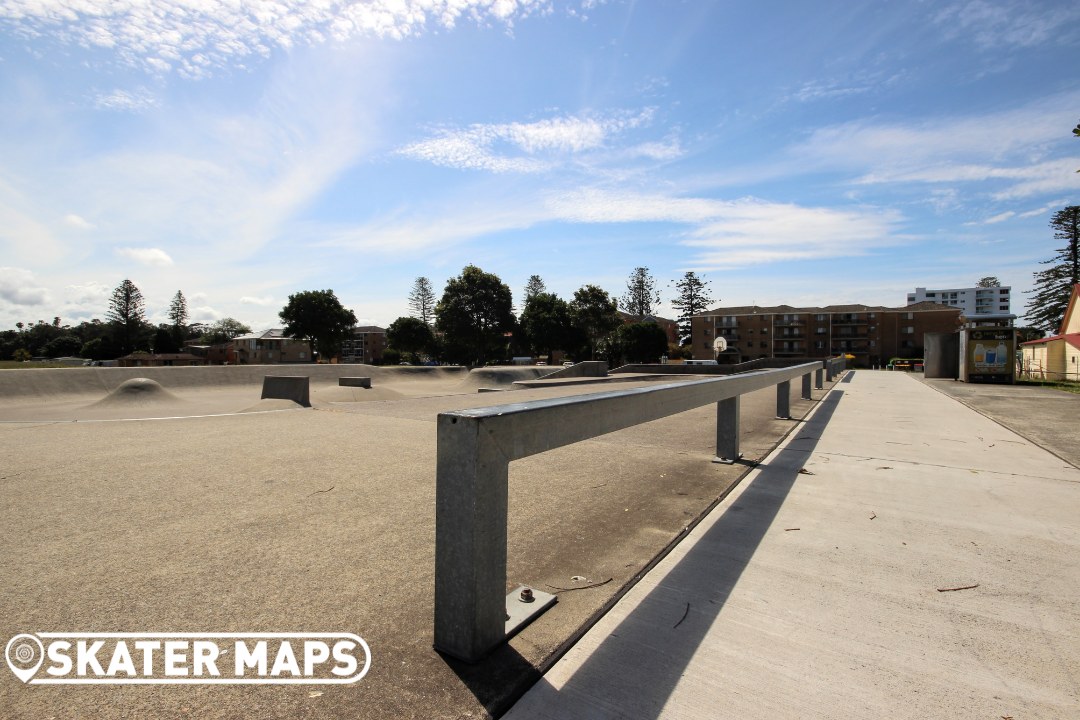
<point>24,654</point>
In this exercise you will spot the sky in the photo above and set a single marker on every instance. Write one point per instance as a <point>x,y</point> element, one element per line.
<point>788,152</point>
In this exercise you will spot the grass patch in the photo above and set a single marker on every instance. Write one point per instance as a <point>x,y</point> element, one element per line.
<point>1063,385</point>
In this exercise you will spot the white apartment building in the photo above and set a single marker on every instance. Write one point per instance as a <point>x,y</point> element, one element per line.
<point>973,301</point>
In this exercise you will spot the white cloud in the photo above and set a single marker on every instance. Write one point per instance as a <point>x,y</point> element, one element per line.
<point>196,37</point>
<point>19,287</point>
<point>725,233</point>
<point>147,256</point>
<point>76,221</point>
<point>993,25</point>
<point>523,147</point>
<point>91,292</point>
<point>1016,151</point>
<point>263,301</point>
<point>203,314</point>
<point>127,101</point>
<point>1000,217</point>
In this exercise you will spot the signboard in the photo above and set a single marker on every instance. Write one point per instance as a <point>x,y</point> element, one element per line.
<point>988,355</point>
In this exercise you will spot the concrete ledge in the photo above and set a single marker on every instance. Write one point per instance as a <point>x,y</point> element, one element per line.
<point>287,387</point>
<point>364,382</point>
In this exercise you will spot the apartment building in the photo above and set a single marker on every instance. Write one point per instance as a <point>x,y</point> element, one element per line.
<point>872,334</point>
<point>365,346</point>
<point>269,348</point>
<point>973,301</point>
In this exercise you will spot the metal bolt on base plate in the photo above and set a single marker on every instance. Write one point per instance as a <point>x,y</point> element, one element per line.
<point>521,611</point>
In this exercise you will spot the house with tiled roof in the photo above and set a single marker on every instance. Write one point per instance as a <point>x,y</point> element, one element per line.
<point>1056,357</point>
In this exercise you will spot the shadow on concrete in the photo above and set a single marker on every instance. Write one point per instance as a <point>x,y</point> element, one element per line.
<point>848,376</point>
<point>498,680</point>
<point>707,580</point>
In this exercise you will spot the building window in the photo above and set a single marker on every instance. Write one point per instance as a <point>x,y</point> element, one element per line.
<point>764,344</point>
<point>821,331</point>
<point>908,330</point>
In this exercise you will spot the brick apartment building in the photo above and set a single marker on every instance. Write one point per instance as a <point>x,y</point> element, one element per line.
<point>871,334</point>
<point>365,346</point>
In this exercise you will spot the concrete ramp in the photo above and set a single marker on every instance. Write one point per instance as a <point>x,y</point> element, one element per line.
<point>502,376</point>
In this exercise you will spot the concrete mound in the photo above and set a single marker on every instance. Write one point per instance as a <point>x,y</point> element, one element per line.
<point>500,376</point>
<point>137,391</point>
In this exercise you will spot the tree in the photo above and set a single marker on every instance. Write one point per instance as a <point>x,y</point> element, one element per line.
<point>178,312</point>
<point>988,282</point>
<point>422,301</point>
<point>223,331</point>
<point>165,339</point>
<point>63,346</point>
<point>641,294</point>
<point>474,314</point>
<point>546,322</point>
<point>127,313</point>
<point>318,317</point>
<point>1053,286</point>
<point>409,335</point>
<point>693,298</point>
<point>595,314</point>
<point>1028,333</point>
<point>642,342</point>
<point>533,287</point>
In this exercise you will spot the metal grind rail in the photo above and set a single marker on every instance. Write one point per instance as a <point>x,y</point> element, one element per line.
<point>475,448</point>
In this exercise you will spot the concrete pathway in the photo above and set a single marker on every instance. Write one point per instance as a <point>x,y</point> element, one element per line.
<point>900,556</point>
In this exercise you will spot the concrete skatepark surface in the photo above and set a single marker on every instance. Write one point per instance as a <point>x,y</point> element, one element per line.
<point>318,520</point>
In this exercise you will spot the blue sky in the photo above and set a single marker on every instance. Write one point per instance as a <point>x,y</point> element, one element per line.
<point>791,152</point>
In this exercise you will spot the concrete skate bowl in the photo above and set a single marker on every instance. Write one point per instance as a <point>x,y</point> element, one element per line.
<point>70,394</point>
<point>502,377</point>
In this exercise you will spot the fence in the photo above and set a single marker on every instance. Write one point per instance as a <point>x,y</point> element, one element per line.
<point>476,446</point>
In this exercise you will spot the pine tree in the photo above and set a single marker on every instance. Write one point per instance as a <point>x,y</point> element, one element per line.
<point>533,287</point>
<point>422,300</point>
<point>127,312</point>
<point>1053,286</point>
<point>178,310</point>
<point>693,298</point>
<point>641,294</point>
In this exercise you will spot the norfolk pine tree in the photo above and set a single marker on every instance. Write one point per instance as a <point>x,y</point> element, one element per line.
<point>693,298</point>
<point>641,294</point>
<point>533,287</point>
<point>422,301</point>
<point>1050,296</point>
<point>127,311</point>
